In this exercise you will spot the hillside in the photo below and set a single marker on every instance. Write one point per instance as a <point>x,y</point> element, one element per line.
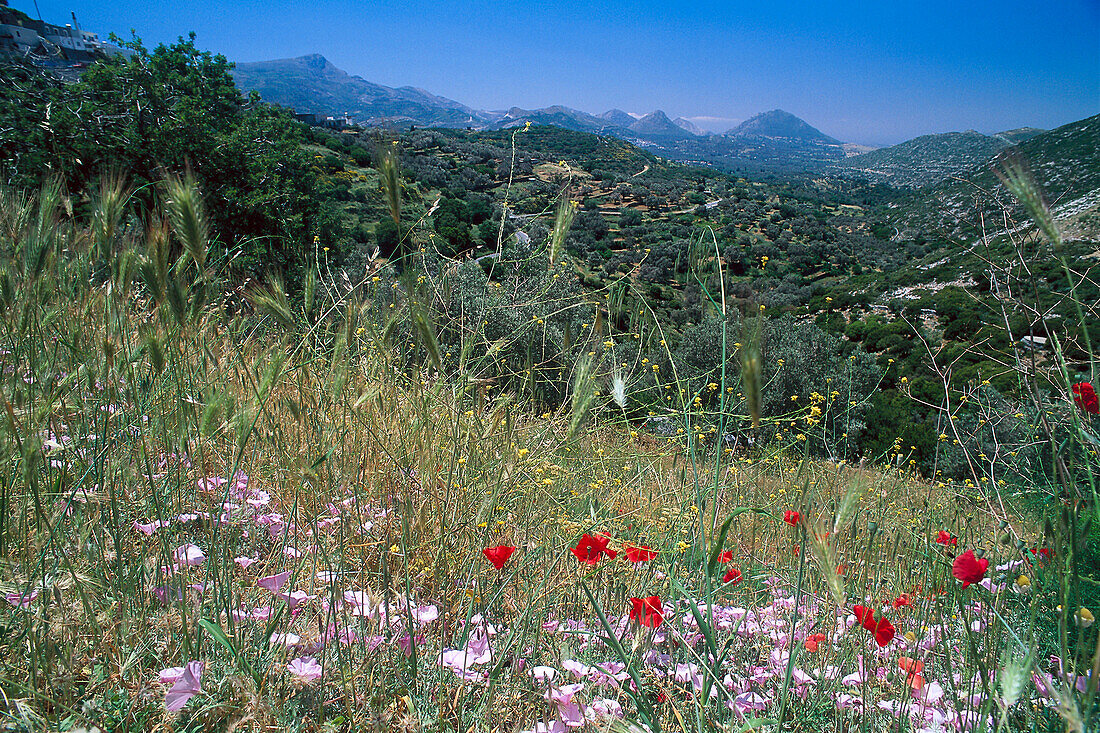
<point>924,160</point>
<point>1020,134</point>
<point>527,429</point>
<point>1067,163</point>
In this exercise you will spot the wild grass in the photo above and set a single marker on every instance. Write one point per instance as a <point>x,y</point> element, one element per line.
<point>190,477</point>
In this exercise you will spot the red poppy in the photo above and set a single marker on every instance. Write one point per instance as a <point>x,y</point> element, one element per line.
<point>903,600</point>
<point>912,669</point>
<point>813,642</point>
<point>884,632</point>
<point>733,575</point>
<point>639,554</point>
<point>1085,397</point>
<point>589,549</point>
<point>1042,554</point>
<point>791,517</point>
<point>882,628</point>
<point>725,556</point>
<point>646,611</point>
<point>946,539</point>
<point>968,568</point>
<point>865,616</point>
<point>498,555</point>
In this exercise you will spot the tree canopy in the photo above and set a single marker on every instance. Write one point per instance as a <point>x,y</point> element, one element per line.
<point>162,112</point>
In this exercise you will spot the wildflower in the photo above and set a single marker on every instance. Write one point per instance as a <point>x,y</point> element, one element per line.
<point>589,549</point>
<point>884,632</point>
<point>189,555</point>
<point>813,642</point>
<point>1042,554</point>
<point>406,643</point>
<point>146,529</point>
<point>968,568</point>
<point>646,611</point>
<point>791,517</point>
<point>912,669</point>
<point>498,555</point>
<point>733,575</point>
<point>882,629</point>
<point>865,616</point>
<point>543,673</point>
<point>295,598</point>
<point>170,675</point>
<point>946,539</point>
<point>639,554</point>
<point>274,582</point>
<point>186,686</point>
<point>903,601</point>
<point>21,600</point>
<point>1084,618</point>
<point>426,614</point>
<point>726,556</point>
<point>605,709</point>
<point>1085,397</point>
<point>304,669</point>
<point>578,670</point>
<point>569,710</point>
<point>1022,584</point>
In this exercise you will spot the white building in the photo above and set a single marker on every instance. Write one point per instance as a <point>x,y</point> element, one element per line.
<point>25,37</point>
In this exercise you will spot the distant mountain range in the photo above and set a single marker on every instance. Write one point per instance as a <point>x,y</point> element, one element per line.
<point>770,141</point>
<point>311,84</point>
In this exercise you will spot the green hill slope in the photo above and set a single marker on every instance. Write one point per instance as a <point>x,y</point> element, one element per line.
<point>925,160</point>
<point>1067,162</point>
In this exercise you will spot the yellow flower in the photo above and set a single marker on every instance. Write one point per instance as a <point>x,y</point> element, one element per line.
<point>1084,617</point>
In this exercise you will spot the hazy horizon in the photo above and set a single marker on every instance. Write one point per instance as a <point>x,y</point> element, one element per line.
<point>875,76</point>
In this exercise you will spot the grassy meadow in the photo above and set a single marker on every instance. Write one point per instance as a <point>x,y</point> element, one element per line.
<point>226,508</point>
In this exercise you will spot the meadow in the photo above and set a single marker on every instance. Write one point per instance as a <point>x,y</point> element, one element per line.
<point>224,507</point>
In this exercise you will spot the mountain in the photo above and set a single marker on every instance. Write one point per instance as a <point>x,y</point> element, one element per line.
<point>689,126</point>
<point>657,126</point>
<point>778,123</point>
<point>775,141</point>
<point>312,84</point>
<point>930,159</point>
<point>618,118</point>
<point>924,160</point>
<point>1066,164</point>
<point>570,119</point>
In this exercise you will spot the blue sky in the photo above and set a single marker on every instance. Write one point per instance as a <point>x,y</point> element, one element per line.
<point>867,72</point>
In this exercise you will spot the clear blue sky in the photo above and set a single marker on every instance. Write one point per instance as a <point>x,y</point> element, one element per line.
<point>875,72</point>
